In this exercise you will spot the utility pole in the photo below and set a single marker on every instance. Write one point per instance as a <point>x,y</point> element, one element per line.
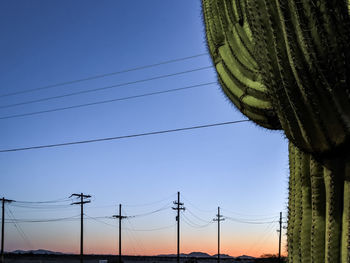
<point>81,203</point>
<point>178,208</point>
<point>280,238</point>
<point>3,227</point>
<point>120,217</point>
<point>219,218</point>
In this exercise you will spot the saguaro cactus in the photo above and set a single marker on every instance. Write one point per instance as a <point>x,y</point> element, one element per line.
<point>286,65</point>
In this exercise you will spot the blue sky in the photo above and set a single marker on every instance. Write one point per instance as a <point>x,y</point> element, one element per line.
<point>242,168</point>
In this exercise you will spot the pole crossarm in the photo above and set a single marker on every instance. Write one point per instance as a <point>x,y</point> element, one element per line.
<point>80,195</point>
<point>7,200</point>
<point>81,203</point>
<point>118,216</point>
<point>4,200</point>
<point>178,207</point>
<point>218,219</point>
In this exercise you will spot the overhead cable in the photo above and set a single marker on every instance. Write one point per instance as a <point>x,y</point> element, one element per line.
<point>196,207</point>
<point>120,137</point>
<point>65,199</point>
<point>20,230</point>
<point>151,229</point>
<point>150,213</point>
<point>194,215</point>
<point>105,101</point>
<point>108,87</point>
<point>193,224</point>
<point>151,203</point>
<point>23,220</point>
<point>250,222</point>
<point>102,75</point>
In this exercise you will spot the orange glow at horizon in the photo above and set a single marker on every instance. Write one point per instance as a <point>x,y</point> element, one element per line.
<point>154,246</point>
<point>235,241</point>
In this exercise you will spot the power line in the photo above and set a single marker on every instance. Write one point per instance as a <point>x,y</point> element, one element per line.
<point>197,208</point>
<point>152,203</point>
<point>133,236</point>
<point>99,221</point>
<point>108,87</point>
<point>151,229</point>
<point>252,219</point>
<point>20,230</point>
<point>102,75</point>
<point>134,239</point>
<point>193,224</point>
<point>194,215</point>
<point>106,101</point>
<point>121,137</point>
<point>40,207</point>
<point>65,199</point>
<point>21,220</point>
<point>150,213</point>
<point>249,222</point>
<point>249,215</point>
<point>266,232</point>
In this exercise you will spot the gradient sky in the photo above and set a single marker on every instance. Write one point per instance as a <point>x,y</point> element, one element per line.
<point>242,168</point>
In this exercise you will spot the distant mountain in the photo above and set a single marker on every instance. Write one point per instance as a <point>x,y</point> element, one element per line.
<point>37,252</point>
<point>245,257</point>
<point>198,255</point>
<point>171,255</point>
<point>222,256</point>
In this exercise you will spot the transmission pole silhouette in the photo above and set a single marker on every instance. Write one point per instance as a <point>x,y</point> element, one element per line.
<point>280,238</point>
<point>219,218</point>
<point>81,203</point>
<point>3,227</point>
<point>178,208</point>
<point>120,217</point>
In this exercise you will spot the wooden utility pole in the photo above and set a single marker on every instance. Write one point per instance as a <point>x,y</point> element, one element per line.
<point>3,227</point>
<point>120,217</point>
<point>280,238</point>
<point>219,218</point>
<point>81,203</point>
<point>178,208</point>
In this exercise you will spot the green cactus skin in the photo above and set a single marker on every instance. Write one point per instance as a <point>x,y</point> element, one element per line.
<point>319,205</point>
<point>318,223</point>
<point>285,64</point>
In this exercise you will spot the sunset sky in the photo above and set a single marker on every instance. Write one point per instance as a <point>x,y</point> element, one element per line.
<point>240,167</point>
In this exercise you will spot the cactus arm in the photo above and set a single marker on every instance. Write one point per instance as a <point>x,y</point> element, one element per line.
<point>306,221</point>
<point>333,170</point>
<point>300,207</point>
<point>296,252</point>
<point>303,68</point>
<point>286,64</point>
<point>291,202</point>
<point>318,212</point>
<point>313,86</point>
<point>232,53</point>
<point>269,56</point>
<point>345,246</point>
<point>319,206</point>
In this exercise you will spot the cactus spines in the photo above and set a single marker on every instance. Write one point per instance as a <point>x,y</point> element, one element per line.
<point>286,65</point>
<point>318,200</point>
